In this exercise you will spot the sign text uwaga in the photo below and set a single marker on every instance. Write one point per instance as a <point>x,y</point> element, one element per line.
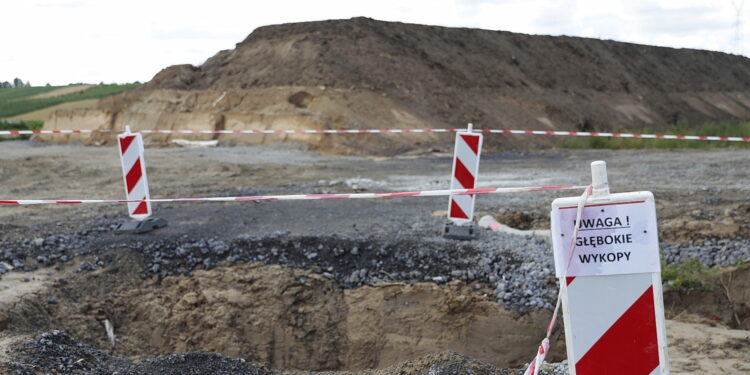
<point>587,237</point>
<point>618,237</point>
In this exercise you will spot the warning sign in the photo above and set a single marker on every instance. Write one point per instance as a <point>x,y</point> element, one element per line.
<point>614,238</point>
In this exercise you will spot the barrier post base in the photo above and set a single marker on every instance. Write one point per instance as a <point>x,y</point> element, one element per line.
<point>139,227</point>
<point>467,231</point>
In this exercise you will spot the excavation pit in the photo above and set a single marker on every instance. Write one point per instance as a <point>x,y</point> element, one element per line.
<point>279,316</point>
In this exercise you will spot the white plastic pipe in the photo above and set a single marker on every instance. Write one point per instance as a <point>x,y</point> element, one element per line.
<point>490,223</point>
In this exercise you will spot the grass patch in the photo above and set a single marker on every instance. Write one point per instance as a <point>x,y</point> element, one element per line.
<point>688,276</point>
<point>19,125</point>
<point>43,114</point>
<point>723,129</point>
<point>16,101</point>
<point>13,93</point>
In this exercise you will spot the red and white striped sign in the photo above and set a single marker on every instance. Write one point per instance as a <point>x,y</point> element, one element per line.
<point>134,175</point>
<point>614,315</point>
<point>616,324</point>
<point>465,172</point>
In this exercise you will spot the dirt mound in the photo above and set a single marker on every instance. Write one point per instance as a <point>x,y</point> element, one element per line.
<point>725,299</point>
<point>716,221</point>
<point>282,317</point>
<point>405,75</point>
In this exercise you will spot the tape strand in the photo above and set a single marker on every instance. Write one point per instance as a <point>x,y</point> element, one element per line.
<point>416,193</point>
<point>390,131</point>
<point>535,365</point>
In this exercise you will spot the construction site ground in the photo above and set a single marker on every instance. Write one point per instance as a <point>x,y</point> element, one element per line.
<point>346,286</point>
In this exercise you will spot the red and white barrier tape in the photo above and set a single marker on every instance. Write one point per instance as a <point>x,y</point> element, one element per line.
<point>419,193</point>
<point>26,132</point>
<point>536,363</point>
<point>394,131</point>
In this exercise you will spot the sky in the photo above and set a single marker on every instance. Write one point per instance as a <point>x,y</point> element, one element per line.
<point>92,41</point>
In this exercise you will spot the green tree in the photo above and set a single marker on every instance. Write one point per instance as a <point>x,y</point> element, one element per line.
<point>17,82</point>
<point>6,85</point>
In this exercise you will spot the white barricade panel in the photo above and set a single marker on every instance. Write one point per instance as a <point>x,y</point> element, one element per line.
<point>468,148</point>
<point>611,294</point>
<point>134,175</point>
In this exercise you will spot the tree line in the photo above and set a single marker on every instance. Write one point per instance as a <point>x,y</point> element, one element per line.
<point>17,82</point>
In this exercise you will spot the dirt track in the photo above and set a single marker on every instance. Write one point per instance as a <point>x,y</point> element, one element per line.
<point>314,312</point>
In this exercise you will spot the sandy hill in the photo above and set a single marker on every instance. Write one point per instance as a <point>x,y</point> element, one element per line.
<point>363,73</point>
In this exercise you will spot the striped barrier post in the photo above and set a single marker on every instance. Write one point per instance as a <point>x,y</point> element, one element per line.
<point>133,163</point>
<point>134,174</point>
<point>611,283</point>
<point>467,150</point>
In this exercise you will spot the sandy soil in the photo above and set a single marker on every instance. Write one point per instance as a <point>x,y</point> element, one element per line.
<point>698,348</point>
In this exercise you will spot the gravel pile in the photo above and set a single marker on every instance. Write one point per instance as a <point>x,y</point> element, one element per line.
<point>559,368</point>
<point>27,252</point>
<point>519,270</point>
<point>59,353</point>
<point>713,252</point>
<point>194,363</point>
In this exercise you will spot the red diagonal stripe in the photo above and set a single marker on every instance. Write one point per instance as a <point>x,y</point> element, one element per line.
<point>142,209</point>
<point>472,141</point>
<point>134,175</point>
<point>456,211</point>
<point>569,279</point>
<point>125,143</point>
<point>9,202</point>
<point>629,347</point>
<point>464,177</point>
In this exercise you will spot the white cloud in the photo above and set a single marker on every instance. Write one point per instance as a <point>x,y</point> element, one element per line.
<point>62,41</point>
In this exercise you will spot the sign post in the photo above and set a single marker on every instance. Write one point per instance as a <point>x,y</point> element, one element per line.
<point>466,154</point>
<point>612,300</point>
